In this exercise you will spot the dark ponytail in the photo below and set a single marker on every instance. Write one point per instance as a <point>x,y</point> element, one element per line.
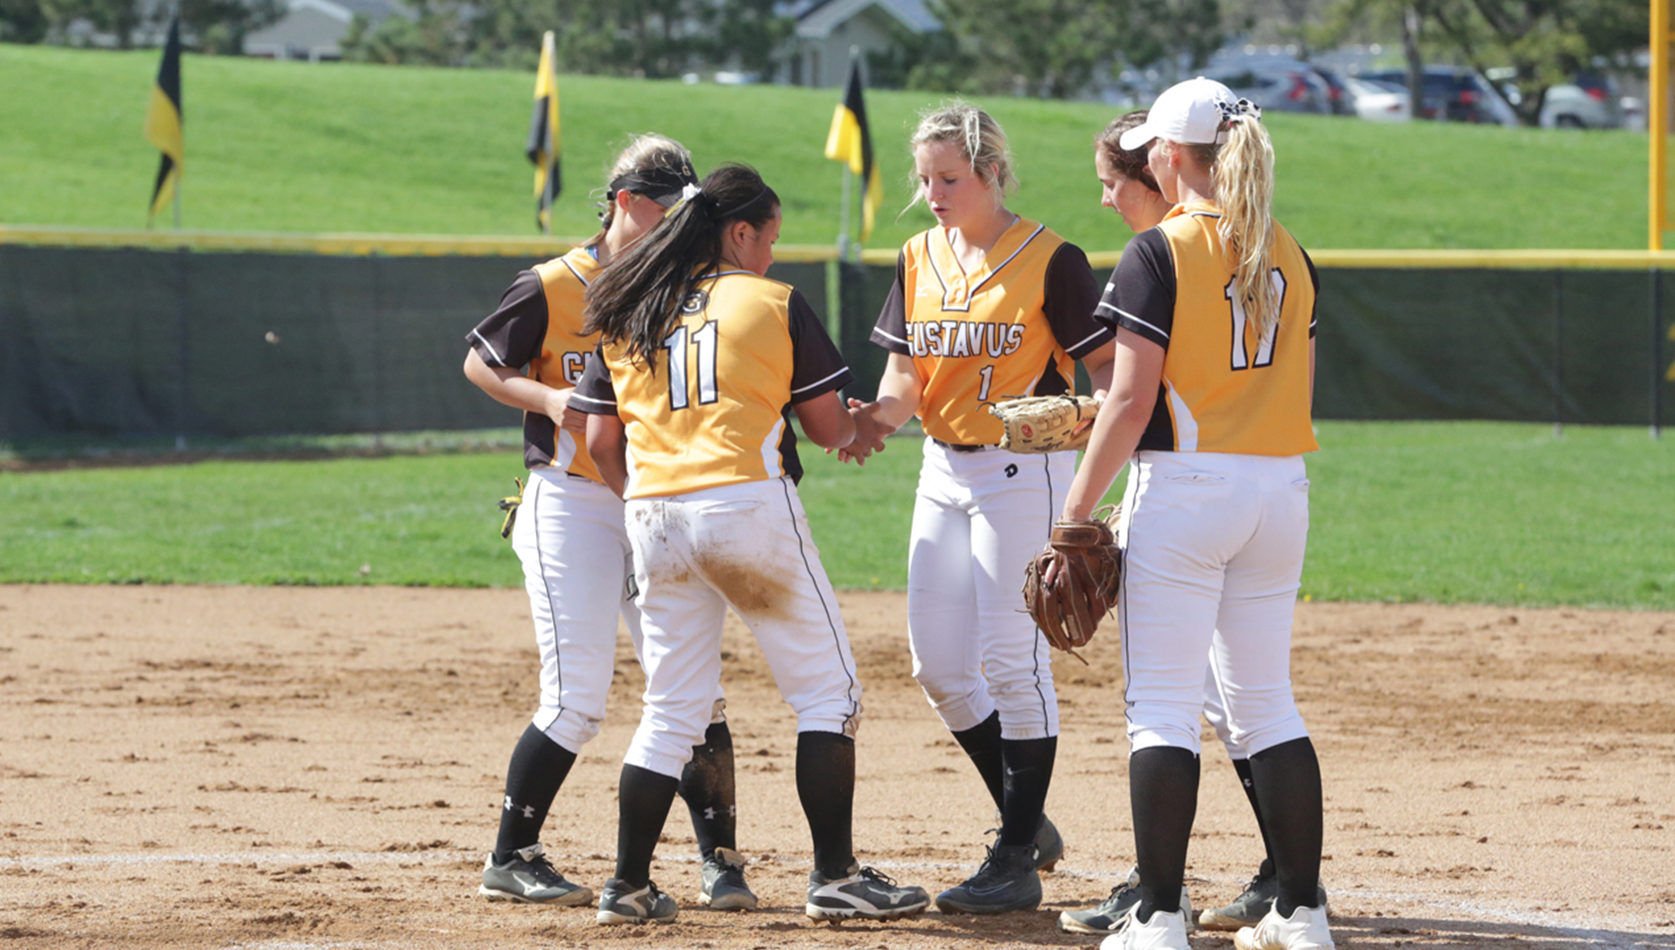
<point>638,296</point>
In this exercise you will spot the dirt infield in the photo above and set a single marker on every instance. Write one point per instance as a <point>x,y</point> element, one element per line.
<point>238,767</point>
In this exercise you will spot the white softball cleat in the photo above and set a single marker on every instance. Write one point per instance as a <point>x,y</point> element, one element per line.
<point>1162,932</point>
<point>1306,929</point>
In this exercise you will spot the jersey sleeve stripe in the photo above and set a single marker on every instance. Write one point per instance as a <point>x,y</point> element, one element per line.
<point>891,343</point>
<point>596,402</point>
<point>499,360</point>
<point>1088,343</point>
<point>1140,326</point>
<point>820,382</point>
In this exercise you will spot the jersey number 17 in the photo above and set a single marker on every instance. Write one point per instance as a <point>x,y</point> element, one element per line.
<point>1264,346</point>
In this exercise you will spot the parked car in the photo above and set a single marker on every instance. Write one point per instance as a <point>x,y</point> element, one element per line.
<point>1454,94</point>
<point>1339,97</point>
<point>1281,88</point>
<point>1379,101</point>
<point>1591,102</point>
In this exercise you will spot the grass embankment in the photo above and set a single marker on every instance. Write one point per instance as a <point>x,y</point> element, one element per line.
<point>274,146</point>
<point>1444,512</point>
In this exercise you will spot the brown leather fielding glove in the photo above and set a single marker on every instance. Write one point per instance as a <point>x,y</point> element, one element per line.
<point>1071,585</point>
<point>1033,424</point>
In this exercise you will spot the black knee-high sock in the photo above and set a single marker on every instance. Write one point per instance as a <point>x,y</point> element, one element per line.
<point>643,800</point>
<point>982,743</point>
<point>1242,766</point>
<point>1163,789</point>
<point>1029,770</point>
<point>707,788</point>
<point>826,786</point>
<point>533,778</point>
<point>1287,780</point>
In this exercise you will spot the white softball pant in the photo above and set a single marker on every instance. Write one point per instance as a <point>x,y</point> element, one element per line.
<point>977,520</point>
<point>1213,560</point>
<point>744,546</point>
<point>569,535</point>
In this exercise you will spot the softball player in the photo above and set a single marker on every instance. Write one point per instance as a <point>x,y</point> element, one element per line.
<point>574,548</point>
<point>1210,398</point>
<point>1130,189</point>
<point>985,306</point>
<point>701,361</point>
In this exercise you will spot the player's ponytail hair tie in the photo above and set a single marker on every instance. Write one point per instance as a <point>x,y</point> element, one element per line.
<point>1232,113</point>
<point>690,192</point>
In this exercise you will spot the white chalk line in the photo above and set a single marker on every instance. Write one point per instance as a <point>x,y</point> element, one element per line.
<point>1591,930</point>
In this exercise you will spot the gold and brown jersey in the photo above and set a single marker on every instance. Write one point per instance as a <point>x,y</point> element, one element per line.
<point>711,406</point>
<point>1014,326</point>
<point>538,325</point>
<point>1225,388</point>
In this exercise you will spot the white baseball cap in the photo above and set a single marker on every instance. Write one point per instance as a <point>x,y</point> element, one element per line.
<point>1189,112</point>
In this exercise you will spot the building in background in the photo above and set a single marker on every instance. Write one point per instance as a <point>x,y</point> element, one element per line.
<point>313,30</point>
<point>818,54</point>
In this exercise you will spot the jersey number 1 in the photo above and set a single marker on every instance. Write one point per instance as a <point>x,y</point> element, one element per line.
<point>704,340</point>
<point>1265,346</point>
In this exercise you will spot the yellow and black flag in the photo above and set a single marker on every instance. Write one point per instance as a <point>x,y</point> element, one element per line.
<point>544,141</point>
<point>851,141</point>
<point>163,122</point>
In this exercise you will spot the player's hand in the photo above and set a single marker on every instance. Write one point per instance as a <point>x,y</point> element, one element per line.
<point>869,432</point>
<point>559,411</point>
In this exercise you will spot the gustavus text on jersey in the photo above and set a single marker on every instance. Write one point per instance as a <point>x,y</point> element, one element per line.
<point>950,338</point>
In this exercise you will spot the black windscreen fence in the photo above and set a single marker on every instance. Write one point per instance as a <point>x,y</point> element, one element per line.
<point>131,343</point>
<point>117,343</point>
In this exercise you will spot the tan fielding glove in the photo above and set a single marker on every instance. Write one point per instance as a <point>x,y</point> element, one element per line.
<point>1035,424</point>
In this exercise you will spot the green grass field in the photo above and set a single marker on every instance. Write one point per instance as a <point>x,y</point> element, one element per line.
<point>1443,512</point>
<point>275,146</point>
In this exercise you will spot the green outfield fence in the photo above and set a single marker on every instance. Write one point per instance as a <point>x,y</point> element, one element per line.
<point>145,334</point>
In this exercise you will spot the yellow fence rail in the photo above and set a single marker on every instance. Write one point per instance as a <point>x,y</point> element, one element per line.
<point>436,245</point>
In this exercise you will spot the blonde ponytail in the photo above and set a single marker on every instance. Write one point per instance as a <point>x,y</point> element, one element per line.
<point>1243,174</point>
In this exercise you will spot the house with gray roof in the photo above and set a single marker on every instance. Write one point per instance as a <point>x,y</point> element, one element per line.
<point>828,30</point>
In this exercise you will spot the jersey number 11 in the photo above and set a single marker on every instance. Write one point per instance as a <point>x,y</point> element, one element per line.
<point>703,340</point>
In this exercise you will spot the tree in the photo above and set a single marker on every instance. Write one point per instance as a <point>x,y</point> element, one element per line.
<point>22,21</point>
<point>433,36</point>
<point>749,31</point>
<point>220,26</point>
<point>1058,48</point>
<point>209,26</point>
<point>1543,42</point>
<point>1050,48</point>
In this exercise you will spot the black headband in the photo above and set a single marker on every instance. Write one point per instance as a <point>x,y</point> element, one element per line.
<point>657,183</point>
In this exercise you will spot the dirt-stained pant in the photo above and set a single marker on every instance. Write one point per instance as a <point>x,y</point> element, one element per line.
<point>744,546</point>
<point>569,535</point>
